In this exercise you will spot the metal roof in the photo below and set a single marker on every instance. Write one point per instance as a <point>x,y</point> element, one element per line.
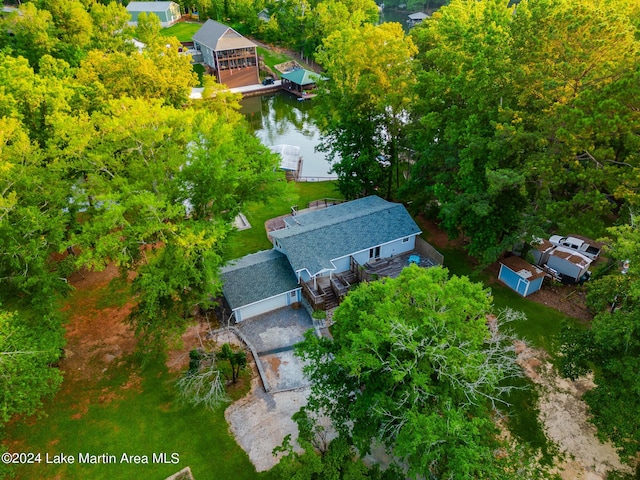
<point>300,76</point>
<point>220,37</point>
<point>257,277</point>
<point>148,6</point>
<point>313,239</point>
<point>289,156</point>
<point>418,16</point>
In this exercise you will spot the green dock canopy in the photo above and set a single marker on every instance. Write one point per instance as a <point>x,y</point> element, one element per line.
<point>300,76</point>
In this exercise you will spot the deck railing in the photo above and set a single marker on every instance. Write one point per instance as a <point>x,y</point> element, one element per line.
<point>425,249</point>
<point>325,202</point>
<point>339,288</point>
<point>314,298</point>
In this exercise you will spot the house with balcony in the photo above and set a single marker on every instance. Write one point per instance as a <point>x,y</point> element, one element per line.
<point>230,56</point>
<point>320,254</point>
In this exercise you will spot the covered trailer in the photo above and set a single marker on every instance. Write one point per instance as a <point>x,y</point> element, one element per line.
<point>572,267</point>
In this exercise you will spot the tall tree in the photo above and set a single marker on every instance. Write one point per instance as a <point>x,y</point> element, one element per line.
<point>111,30</point>
<point>73,29</point>
<point>159,71</point>
<point>364,103</point>
<point>414,366</point>
<point>521,125</point>
<point>611,348</point>
<point>29,33</point>
<point>27,352</point>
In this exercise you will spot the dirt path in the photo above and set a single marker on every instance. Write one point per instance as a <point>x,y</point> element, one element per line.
<point>260,421</point>
<point>97,336</point>
<point>566,420</point>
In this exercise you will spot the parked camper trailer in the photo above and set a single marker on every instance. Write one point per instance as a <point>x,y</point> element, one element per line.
<point>569,265</point>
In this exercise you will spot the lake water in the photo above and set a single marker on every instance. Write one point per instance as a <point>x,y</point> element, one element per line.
<point>400,16</point>
<point>281,119</point>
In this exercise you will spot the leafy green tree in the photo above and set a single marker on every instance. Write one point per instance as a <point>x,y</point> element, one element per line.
<point>73,29</point>
<point>148,28</point>
<point>611,348</point>
<point>158,72</point>
<point>29,33</point>
<point>237,360</point>
<point>464,54</point>
<point>364,104</point>
<point>414,366</point>
<point>522,125</point>
<point>28,351</point>
<point>111,32</point>
<point>32,222</point>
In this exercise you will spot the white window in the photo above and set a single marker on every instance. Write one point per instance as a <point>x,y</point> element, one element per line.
<point>405,239</point>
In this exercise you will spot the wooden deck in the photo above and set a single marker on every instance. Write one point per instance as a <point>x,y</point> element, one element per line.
<point>391,267</point>
<point>239,77</point>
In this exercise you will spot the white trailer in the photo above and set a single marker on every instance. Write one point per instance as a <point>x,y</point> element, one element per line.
<point>570,265</point>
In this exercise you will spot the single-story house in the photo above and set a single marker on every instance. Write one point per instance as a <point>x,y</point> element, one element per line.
<point>259,283</point>
<point>323,242</point>
<point>316,248</point>
<point>167,12</point>
<point>232,57</point>
<point>520,276</point>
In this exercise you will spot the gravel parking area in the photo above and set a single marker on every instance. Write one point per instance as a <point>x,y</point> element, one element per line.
<point>261,420</point>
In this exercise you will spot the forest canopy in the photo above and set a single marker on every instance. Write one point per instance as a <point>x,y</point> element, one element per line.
<point>103,160</point>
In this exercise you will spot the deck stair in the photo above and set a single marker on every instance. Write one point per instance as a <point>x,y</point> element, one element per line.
<point>349,278</point>
<point>330,299</point>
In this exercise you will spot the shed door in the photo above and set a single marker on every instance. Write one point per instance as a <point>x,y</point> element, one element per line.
<point>522,287</point>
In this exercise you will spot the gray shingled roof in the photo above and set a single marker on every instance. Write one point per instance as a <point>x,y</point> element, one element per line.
<point>219,37</point>
<point>257,277</point>
<point>313,239</point>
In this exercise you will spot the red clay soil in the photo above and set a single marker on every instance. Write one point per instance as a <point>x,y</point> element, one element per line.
<point>96,337</point>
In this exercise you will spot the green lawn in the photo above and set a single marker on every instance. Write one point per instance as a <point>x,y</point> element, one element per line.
<point>272,58</point>
<point>199,69</point>
<point>183,31</point>
<point>141,419</point>
<point>255,238</point>
<point>133,410</point>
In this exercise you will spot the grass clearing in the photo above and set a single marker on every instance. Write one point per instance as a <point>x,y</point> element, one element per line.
<point>183,31</point>
<point>543,323</point>
<point>272,58</point>
<point>255,238</point>
<point>133,415</point>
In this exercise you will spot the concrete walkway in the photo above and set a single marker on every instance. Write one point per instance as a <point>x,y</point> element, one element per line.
<point>196,93</point>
